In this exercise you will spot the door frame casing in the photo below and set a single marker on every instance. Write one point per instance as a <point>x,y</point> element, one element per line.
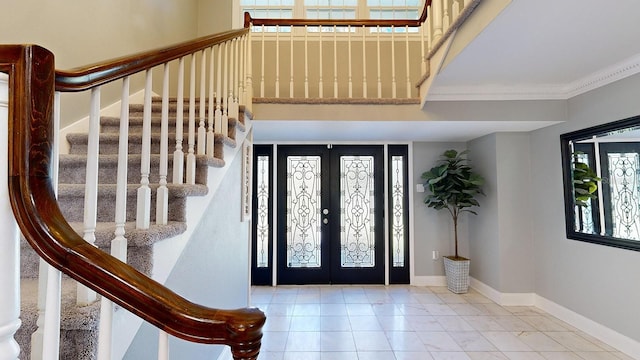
<point>410,195</point>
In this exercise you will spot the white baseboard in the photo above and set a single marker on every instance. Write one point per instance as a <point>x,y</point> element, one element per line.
<point>598,331</point>
<point>429,281</point>
<point>505,299</point>
<point>82,125</point>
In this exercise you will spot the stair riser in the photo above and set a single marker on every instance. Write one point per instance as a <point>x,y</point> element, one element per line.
<point>75,172</point>
<point>72,206</point>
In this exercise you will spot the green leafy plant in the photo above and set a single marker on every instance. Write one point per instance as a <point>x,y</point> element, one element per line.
<point>454,187</point>
<point>585,182</point>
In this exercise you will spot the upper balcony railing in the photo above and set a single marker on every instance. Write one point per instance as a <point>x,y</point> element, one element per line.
<point>351,60</point>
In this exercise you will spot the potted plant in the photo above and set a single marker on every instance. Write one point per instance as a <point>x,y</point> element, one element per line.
<point>585,182</point>
<point>454,187</point>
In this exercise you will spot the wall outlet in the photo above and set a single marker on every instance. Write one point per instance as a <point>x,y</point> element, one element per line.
<point>435,254</point>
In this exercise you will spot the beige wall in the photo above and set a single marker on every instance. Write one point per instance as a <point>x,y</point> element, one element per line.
<point>214,16</point>
<point>84,32</point>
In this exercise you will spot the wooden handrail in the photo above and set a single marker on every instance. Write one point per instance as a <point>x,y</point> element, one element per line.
<point>31,90</point>
<point>87,77</point>
<point>248,21</point>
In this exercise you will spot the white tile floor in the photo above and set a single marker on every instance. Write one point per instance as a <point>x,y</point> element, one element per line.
<point>416,323</point>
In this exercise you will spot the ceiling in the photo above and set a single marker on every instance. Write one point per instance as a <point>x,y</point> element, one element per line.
<point>545,49</point>
<point>533,50</point>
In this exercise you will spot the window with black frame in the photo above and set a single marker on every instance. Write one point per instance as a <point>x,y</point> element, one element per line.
<point>601,168</point>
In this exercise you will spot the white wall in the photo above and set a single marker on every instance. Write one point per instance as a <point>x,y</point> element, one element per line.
<point>598,282</point>
<point>216,258</point>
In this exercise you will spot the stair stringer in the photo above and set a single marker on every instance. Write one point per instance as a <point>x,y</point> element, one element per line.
<point>167,252</point>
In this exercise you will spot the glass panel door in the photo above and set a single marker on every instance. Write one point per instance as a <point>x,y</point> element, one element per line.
<point>330,211</point>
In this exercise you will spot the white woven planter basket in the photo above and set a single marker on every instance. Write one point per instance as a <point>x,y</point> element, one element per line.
<point>457,272</point>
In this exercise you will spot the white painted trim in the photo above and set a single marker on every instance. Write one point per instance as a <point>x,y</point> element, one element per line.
<point>619,71</point>
<point>412,220</point>
<point>429,281</point>
<point>82,125</point>
<point>505,299</point>
<point>599,331</point>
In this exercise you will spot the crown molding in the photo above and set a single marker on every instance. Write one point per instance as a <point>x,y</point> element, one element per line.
<point>590,82</point>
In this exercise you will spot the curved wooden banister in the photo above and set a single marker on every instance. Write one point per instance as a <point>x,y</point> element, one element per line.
<point>86,77</point>
<point>31,88</point>
<point>248,20</point>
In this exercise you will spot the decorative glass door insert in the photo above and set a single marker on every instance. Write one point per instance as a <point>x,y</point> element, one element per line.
<point>304,224</point>
<point>329,214</point>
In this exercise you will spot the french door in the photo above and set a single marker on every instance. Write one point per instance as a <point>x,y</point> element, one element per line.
<point>330,214</point>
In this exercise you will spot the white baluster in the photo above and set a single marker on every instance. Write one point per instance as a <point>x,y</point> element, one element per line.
<point>119,243</point>
<point>379,62</point>
<point>236,80</point>
<point>202,132</point>
<point>306,63</point>
<point>178,154</point>
<point>393,62</point>
<point>364,62</point>
<point>262,66</point>
<point>163,345</point>
<point>242,91</point>
<point>430,40</point>
<point>350,66</point>
<point>277,84</point>
<point>291,63</point>
<point>86,296</point>
<point>423,54</point>
<point>212,96</point>
<point>9,246</point>
<point>446,19</point>
<point>335,61</point>
<point>162,194</point>
<point>249,63</point>
<point>225,90</point>
<point>455,10</point>
<point>407,64</point>
<point>143,210</point>
<point>436,5</point>
<point>235,64</point>
<point>45,341</point>
<point>320,83</point>
<point>218,114</point>
<point>191,156</point>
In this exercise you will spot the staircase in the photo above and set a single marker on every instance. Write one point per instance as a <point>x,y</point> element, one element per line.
<point>79,324</point>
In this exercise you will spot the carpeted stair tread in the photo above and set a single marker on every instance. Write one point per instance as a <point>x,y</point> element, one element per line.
<point>109,143</point>
<point>75,165</point>
<point>104,232</point>
<point>110,124</point>
<point>175,190</point>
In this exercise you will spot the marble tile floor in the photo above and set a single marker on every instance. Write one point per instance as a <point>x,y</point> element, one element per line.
<point>412,323</point>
